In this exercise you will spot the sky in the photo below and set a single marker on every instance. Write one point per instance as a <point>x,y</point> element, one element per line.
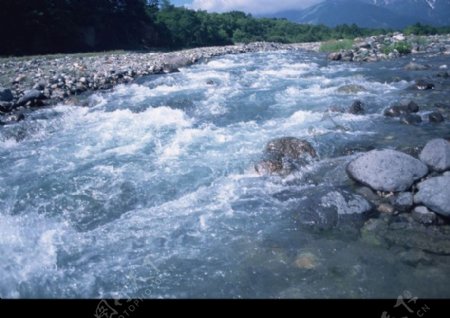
<point>252,6</point>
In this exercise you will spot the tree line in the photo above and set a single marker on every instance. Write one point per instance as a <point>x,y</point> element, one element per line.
<point>62,26</point>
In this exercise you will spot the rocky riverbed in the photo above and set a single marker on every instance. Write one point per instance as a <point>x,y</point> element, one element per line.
<point>385,47</point>
<point>47,80</point>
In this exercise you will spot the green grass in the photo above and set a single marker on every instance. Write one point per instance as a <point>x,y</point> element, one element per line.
<point>402,47</point>
<point>336,45</point>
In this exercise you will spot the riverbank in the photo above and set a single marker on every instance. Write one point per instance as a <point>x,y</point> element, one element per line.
<point>47,80</point>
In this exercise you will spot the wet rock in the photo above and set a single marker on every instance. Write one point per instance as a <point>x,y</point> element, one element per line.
<point>385,208</point>
<point>6,107</point>
<point>436,154</point>
<point>412,66</point>
<point>306,260</point>
<point>402,108</point>
<point>283,155</point>
<point>40,86</point>
<point>434,193</point>
<point>423,85</point>
<point>435,117</point>
<point>351,89</point>
<point>329,207</point>
<point>415,257</point>
<point>422,215</point>
<point>357,108</point>
<point>410,119</point>
<point>386,170</point>
<point>12,118</point>
<point>335,56</point>
<point>6,95</point>
<point>31,96</point>
<point>403,201</point>
<point>443,74</point>
<point>210,82</point>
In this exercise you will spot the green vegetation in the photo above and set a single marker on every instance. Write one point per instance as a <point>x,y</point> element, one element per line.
<point>61,26</point>
<point>336,45</point>
<point>401,47</point>
<point>421,29</point>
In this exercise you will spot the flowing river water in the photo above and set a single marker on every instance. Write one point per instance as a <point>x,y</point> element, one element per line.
<point>150,191</point>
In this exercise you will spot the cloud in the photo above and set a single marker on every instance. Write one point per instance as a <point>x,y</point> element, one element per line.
<point>252,6</point>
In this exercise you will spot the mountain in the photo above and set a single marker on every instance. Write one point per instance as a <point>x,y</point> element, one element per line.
<point>373,13</point>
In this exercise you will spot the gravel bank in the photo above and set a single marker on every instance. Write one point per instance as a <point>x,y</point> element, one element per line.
<point>46,80</point>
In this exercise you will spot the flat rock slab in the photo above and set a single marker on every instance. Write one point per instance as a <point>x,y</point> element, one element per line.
<point>434,193</point>
<point>386,170</point>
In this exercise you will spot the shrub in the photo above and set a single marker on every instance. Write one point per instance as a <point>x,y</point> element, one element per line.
<point>336,45</point>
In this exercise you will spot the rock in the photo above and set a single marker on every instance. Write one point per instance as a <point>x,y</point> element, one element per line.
<point>306,260</point>
<point>6,95</point>
<point>386,170</point>
<point>357,108</point>
<point>6,107</point>
<point>422,215</point>
<point>347,56</point>
<point>403,201</point>
<point>282,155</point>
<point>385,208</point>
<point>434,193</point>
<point>404,107</point>
<point>435,117</point>
<point>335,56</point>
<point>40,86</point>
<point>415,257</point>
<point>412,66</point>
<point>210,82</point>
<point>12,118</point>
<point>328,207</point>
<point>410,119</point>
<point>423,85</point>
<point>436,154</point>
<point>32,96</point>
<point>351,89</point>
<point>444,74</point>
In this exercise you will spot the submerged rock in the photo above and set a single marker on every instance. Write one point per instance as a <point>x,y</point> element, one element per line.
<point>412,66</point>
<point>351,89</point>
<point>329,207</point>
<point>434,193</point>
<point>335,56</point>
<point>423,85</point>
<point>436,154</point>
<point>282,155</point>
<point>357,108</point>
<point>422,215</point>
<point>386,170</point>
<point>411,119</point>
<point>402,108</point>
<point>435,117</point>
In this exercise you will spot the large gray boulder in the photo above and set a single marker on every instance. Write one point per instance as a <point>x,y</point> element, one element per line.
<point>386,170</point>
<point>436,154</point>
<point>434,193</point>
<point>5,95</point>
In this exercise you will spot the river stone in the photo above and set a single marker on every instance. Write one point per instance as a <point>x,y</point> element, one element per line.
<point>422,215</point>
<point>435,117</point>
<point>403,201</point>
<point>416,67</point>
<point>31,95</point>
<point>351,89</point>
<point>282,155</point>
<point>335,56</point>
<point>411,119</point>
<point>328,207</point>
<point>401,108</point>
<point>434,193</point>
<point>5,95</point>
<point>436,154</point>
<point>357,108</point>
<point>386,170</point>
<point>423,85</point>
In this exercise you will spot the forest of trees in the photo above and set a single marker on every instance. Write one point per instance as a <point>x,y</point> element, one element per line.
<point>60,26</point>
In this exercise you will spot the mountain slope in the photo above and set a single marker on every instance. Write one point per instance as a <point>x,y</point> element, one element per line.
<point>373,13</point>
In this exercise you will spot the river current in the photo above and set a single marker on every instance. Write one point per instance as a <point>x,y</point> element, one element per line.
<point>150,190</point>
